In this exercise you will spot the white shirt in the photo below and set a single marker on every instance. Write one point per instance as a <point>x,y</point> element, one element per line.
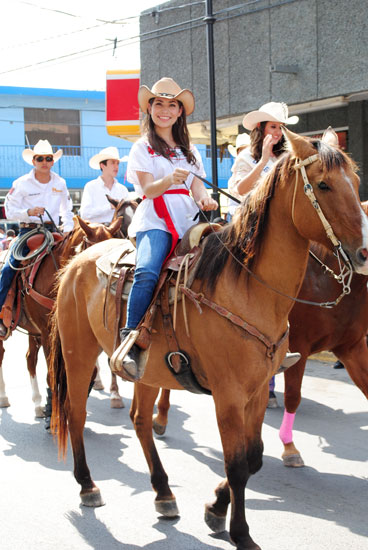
<point>181,208</point>
<point>27,192</point>
<point>94,206</point>
<point>243,165</point>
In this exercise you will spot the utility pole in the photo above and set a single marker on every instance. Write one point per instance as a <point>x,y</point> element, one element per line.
<point>210,20</point>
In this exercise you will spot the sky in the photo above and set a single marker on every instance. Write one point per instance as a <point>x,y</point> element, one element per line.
<point>68,44</point>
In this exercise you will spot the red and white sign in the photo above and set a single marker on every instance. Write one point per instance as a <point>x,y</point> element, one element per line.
<point>122,109</point>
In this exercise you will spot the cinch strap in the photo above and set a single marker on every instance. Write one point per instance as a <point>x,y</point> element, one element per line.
<point>162,212</point>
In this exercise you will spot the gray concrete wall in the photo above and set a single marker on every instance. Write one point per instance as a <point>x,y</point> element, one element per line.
<point>326,39</point>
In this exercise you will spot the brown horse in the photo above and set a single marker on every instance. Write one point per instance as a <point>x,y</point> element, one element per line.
<point>237,343</point>
<point>342,330</point>
<point>86,235</point>
<point>34,318</point>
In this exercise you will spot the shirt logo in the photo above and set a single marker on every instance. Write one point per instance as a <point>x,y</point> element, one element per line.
<point>54,190</point>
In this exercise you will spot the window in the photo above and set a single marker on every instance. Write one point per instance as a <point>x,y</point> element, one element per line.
<point>61,127</point>
<point>222,152</point>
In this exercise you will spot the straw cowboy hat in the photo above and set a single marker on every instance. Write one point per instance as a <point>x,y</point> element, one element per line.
<point>42,147</point>
<point>242,140</point>
<point>169,89</point>
<point>270,112</point>
<point>105,154</point>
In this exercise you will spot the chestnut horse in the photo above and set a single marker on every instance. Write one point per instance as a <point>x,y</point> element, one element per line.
<point>237,343</point>
<point>342,330</point>
<point>86,235</point>
<point>35,316</point>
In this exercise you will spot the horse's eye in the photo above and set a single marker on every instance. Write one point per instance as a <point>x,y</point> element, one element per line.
<point>323,186</point>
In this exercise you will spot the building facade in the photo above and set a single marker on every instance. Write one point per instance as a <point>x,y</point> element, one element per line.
<point>311,54</point>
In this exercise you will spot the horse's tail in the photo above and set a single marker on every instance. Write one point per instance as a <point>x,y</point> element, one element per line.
<point>58,383</point>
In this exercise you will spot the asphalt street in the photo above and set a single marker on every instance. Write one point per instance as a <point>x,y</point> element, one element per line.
<point>320,507</point>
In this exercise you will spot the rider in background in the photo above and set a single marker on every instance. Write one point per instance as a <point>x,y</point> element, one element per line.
<point>29,198</point>
<point>94,206</point>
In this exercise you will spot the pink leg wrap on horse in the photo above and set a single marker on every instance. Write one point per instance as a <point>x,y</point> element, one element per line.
<point>286,430</point>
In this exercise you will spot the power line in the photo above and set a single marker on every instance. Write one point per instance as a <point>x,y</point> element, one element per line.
<point>174,28</point>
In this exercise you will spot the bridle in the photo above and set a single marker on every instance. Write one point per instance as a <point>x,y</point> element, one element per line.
<point>345,266</point>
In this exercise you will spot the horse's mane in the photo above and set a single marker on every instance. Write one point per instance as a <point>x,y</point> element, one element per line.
<point>241,239</point>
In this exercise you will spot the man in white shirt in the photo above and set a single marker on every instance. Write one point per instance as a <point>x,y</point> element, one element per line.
<point>40,193</point>
<point>95,207</point>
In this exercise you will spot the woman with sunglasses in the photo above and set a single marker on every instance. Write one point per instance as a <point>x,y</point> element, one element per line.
<point>162,166</point>
<point>28,200</point>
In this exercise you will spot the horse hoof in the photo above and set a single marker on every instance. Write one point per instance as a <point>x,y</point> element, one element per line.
<point>92,499</point>
<point>293,461</point>
<point>167,508</point>
<point>217,524</point>
<point>39,412</point>
<point>116,403</point>
<point>4,402</point>
<point>98,385</point>
<point>159,429</point>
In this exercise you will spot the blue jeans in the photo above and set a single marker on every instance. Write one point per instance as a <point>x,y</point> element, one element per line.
<point>152,248</point>
<point>7,273</point>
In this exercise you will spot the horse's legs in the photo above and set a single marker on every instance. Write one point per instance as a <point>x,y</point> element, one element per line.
<point>243,457</point>
<point>98,384</point>
<point>79,374</point>
<point>34,344</point>
<point>141,413</point>
<point>4,401</point>
<point>293,382</point>
<point>355,360</point>
<point>160,419</point>
<point>116,401</point>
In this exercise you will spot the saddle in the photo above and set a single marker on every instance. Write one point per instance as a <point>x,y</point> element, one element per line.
<point>23,283</point>
<point>116,271</point>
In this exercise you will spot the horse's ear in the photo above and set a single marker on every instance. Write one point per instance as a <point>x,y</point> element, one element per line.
<point>112,201</point>
<point>115,226</point>
<point>76,221</point>
<point>84,226</point>
<point>365,207</point>
<point>300,146</point>
<point>330,137</point>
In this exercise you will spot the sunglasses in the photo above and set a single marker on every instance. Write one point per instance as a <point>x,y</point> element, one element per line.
<point>49,158</point>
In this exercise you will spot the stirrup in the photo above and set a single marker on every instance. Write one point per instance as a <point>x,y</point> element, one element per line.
<point>117,358</point>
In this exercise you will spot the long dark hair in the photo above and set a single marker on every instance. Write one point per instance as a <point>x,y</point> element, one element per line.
<point>180,134</point>
<point>256,142</point>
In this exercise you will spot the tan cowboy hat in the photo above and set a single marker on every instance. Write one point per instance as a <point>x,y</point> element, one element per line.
<point>42,147</point>
<point>169,89</point>
<point>105,154</point>
<point>242,140</point>
<point>269,112</point>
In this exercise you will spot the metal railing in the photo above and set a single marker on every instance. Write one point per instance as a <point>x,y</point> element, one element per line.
<point>74,168</point>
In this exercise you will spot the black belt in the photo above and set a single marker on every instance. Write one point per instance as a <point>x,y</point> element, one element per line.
<point>34,225</point>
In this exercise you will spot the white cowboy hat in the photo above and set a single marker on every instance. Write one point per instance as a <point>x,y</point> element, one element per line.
<point>105,154</point>
<point>242,140</point>
<point>42,147</point>
<point>270,112</point>
<point>169,89</point>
